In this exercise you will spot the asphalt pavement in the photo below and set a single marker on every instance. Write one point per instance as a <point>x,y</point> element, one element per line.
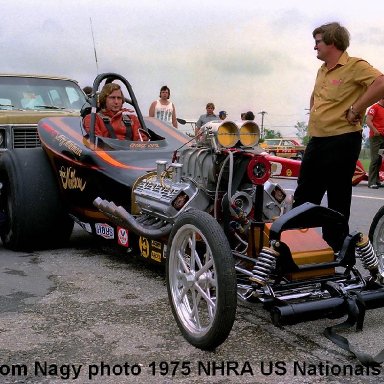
<point>87,315</point>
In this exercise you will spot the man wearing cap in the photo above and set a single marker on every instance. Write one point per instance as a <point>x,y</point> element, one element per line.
<point>222,115</point>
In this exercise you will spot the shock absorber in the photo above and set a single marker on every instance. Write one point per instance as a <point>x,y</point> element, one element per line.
<point>264,266</point>
<point>367,254</point>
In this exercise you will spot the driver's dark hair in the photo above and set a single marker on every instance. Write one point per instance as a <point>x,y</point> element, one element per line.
<point>165,88</point>
<point>106,91</point>
<point>334,33</point>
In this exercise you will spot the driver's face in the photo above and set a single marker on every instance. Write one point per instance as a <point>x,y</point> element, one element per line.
<point>114,101</point>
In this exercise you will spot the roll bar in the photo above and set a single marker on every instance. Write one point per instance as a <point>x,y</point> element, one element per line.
<point>109,77</point>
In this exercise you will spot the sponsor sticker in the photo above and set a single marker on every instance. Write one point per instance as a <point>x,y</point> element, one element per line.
<point>156,244</point>
<point>122,236</point>
<point>104,230</point>
<point>156,256</point>
<point>144,246</point>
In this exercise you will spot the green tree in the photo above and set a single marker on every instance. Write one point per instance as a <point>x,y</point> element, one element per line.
<point>302,132</point>
<point>271,134</point>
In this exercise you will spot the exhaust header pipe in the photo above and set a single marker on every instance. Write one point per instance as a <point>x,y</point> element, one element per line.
<point>119,216</point>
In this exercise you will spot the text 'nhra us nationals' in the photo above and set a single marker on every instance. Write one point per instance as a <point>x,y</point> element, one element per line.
<point>187,368</point>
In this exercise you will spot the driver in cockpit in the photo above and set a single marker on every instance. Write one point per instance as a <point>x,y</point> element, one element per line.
<point>113,120</point>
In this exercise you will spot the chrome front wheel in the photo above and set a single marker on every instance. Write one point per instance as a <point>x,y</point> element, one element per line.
<point>201,280</point>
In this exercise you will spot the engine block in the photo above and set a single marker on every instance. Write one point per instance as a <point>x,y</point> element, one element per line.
<point>166,196</point>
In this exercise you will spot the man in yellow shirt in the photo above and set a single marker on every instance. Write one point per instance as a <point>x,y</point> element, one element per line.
<point>345,86</point>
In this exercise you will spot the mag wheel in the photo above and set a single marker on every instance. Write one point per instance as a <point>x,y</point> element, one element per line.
<point>201,280</point>
<point>31,213</point>
<point>376,232</point>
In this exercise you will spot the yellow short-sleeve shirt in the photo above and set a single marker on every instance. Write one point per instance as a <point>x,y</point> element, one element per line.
<point>335,91</point>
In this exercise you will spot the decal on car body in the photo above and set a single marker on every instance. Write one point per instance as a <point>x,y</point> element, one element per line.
<point>156,256</point>
<point>122,236</point>
<point>63,141</point>
<point>144,246</point>
<point>104,230</point>
<point>69,180</point>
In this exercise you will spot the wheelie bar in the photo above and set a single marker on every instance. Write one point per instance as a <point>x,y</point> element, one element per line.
<point>333,307</point>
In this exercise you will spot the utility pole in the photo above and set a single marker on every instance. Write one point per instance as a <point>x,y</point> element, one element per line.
<point>262,113</point>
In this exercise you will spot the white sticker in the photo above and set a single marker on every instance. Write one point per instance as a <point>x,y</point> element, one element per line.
<point>104,230</point>
<point>122,236</point>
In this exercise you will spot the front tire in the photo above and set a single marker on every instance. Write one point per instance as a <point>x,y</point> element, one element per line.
<point>32,214</point>
<point>201,280</point>
<point>376,232</point>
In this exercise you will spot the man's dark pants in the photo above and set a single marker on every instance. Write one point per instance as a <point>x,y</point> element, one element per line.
<point>328,166</point>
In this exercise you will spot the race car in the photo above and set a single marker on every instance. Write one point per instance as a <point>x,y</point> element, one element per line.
<point>290,168</point>
<point>204,207</point>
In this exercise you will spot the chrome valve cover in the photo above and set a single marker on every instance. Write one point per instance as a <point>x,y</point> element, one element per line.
<point>166,199</point>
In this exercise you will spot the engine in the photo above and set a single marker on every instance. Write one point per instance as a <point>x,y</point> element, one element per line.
<point>165,195</point>
<point>210,176</point>
<point>224,174</point>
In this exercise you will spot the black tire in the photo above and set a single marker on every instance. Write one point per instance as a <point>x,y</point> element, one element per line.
<point>207,284</point>
<point>376,232</point>
<point>33,217</point>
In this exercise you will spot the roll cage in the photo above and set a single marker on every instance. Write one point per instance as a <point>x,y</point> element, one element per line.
<point>109,77</point>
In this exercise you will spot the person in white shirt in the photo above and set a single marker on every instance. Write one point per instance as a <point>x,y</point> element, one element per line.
<point>163,109</point>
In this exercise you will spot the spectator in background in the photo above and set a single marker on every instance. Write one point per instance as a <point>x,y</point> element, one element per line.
<point>249,116</point>
<point>375,122</point>
<point>242,116</point>
<point>207,117</point>
<point>163,109</point>
<point>222,115</point>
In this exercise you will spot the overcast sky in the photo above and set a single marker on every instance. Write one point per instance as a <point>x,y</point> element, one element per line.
<point>240,54</point>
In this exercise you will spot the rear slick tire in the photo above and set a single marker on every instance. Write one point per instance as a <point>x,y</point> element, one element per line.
<point>33,216</point>
<point>201,280</point>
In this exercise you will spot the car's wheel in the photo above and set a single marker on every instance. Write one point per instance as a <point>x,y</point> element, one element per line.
<point>201,280</point>
<point>376,232</point>
<point>32,215</point>
<point>300,155</point>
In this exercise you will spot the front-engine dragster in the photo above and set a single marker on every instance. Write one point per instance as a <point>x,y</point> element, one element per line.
<point>207,208</point>
<point>230,233</point>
